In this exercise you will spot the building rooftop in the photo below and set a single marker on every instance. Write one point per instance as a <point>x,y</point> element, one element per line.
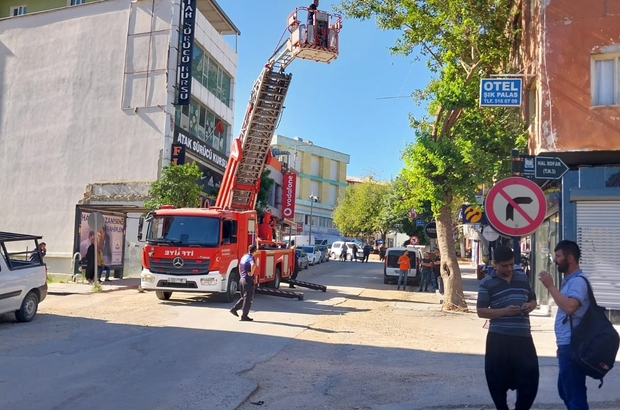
<point>216,16</point>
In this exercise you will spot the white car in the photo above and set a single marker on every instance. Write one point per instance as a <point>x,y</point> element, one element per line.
<point>23,275</point>
<point>336,248</point>
<point>314,254</point>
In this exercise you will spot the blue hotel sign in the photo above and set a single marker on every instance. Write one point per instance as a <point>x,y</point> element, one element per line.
<point>500,92</point>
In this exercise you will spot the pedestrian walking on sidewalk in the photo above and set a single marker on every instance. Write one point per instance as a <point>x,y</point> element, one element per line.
<point>510,362</point>
<point>247,266</point>
<point>572,300</point>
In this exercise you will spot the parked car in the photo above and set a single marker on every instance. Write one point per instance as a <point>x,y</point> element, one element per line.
<point>336,248</point>
<point>314,254</point>
<point>390,264</point>
<point>23,275</point>
<point>324,253</point>
<point>302,259</point>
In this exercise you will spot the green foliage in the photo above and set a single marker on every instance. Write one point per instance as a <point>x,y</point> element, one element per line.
<point>359,212</point>
<point>458,145</point>
<point>177,186</point>
<point>266,182</point>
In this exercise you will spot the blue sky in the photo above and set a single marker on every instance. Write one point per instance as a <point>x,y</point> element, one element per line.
<point>334,105</point>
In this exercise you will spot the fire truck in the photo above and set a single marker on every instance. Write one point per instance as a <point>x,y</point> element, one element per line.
<point>197,249</point>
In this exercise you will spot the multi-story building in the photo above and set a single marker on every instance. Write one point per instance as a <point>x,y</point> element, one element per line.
<point>91,108</point>
<point>570,59</point>
<point>321,179</point>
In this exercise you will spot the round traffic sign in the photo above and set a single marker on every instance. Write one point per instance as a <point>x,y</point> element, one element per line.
<point>516,206</point>
<point>414,240</point>
<point>431,230</point>
<point>490,234</point>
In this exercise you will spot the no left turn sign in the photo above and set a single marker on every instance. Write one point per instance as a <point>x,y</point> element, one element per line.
<point>516,206</point>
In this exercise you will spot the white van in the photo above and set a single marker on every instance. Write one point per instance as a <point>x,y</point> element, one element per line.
<point>23,275</point>
<point>390,264</point>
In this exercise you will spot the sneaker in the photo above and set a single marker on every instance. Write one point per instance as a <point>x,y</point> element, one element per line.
<point>291,286</point>
<point>246,318</point>
<point>404,288</point>
<point>234,312</point>
<point>398,288</point>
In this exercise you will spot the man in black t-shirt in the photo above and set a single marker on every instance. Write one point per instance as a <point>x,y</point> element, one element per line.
<point>311,9</point>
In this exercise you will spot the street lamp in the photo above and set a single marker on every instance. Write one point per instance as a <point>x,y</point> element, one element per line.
<point>313,199</point>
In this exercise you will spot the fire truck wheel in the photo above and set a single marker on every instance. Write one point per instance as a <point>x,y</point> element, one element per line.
<point>275,283</point>
<point>161,295</point>
<point>232,287</point>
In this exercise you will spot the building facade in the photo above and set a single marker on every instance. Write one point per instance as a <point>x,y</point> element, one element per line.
<point>88,115</point>
<point>321,174</point>
<point>570,58</point>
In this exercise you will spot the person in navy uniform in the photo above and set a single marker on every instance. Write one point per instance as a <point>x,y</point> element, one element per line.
<point>247,267</point>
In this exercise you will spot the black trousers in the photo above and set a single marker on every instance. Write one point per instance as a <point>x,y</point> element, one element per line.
<point>246,288</point>
<point>511,363</point>
<point>366,255</point>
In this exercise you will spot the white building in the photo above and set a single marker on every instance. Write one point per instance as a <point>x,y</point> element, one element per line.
<point>88,115</point>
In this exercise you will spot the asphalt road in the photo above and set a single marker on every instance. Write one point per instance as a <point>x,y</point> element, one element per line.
<point>187,353</point>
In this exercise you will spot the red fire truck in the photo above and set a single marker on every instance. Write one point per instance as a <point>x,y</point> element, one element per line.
<point>198,250</point>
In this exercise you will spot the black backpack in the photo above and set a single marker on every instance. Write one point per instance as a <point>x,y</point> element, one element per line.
<point>594,341</point>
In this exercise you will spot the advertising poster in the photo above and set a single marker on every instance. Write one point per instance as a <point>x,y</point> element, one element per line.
<point>109,231</point>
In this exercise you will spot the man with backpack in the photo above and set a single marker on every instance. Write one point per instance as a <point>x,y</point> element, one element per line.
<point>572,301</point>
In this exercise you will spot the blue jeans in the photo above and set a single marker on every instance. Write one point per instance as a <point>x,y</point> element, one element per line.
<point>425,279</point>
<point>402,276</point>
<point>571,382</point>
<point>107,271</point>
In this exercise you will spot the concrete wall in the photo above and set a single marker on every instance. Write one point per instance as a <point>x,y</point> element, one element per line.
<point>61,122</point>
<point>561,36</point>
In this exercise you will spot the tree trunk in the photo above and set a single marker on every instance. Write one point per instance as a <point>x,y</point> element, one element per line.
<point>454,299</point>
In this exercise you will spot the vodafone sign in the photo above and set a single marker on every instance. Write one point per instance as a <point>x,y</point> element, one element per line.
<point>289,183</point>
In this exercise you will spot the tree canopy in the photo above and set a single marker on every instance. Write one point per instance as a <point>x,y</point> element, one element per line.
<point>457,145</point>
<point>177,186</point>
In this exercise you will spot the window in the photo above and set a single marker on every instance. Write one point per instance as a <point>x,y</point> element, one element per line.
<point>333,194</point>
<point>213,77</point>
<point>314,166</point>
<point>605,78</point>
<point>76,2</point>
<point>201,123</point>
<point>18,10</point>
<point>333,170</point>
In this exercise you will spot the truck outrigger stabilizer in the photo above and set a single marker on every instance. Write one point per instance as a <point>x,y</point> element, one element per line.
<point>309,285</point>
<point>277,292</point>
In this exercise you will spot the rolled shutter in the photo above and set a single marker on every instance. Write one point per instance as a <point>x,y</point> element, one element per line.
<point>598,236</point>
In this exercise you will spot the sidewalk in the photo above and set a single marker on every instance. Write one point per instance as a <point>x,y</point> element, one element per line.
<point>73,288</point>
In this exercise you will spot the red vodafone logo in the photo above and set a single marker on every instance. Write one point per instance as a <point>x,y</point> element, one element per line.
<point>516,206</point>
<point>288,194</point>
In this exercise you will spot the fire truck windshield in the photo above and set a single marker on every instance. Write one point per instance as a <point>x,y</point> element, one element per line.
<point>184,231</point>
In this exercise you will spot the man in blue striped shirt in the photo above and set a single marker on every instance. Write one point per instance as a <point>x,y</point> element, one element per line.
<point>510,363</point>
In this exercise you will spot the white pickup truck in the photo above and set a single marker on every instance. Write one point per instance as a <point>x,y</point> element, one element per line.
<point>23,275</point>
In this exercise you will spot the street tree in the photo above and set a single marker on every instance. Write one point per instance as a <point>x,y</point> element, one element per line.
<point>177,186</point>
<point>395,214</point>
<point>358,212</point>
<point>458,145</point>
<point>262,198</point>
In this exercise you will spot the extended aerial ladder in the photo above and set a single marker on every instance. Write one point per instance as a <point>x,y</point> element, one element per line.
<point>317,42</point>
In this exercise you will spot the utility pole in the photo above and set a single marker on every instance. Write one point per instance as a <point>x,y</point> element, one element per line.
<point>516,172</point>
<point>313,199</point>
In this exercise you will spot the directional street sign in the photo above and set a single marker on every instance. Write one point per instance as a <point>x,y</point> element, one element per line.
<point>431,230</point>
<point>515,206</point>
<point>543,167</point>
<point>420,222</point>
<point>500,92</point>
